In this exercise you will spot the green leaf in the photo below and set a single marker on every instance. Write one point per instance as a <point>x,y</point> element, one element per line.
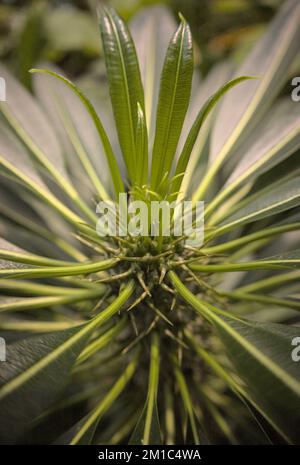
<point>39,191</point>
<point>81,153</point>
<point>226,375</point>
<point>261,354</point>
<point>174,95</point>
<point>275,281</point>
<point>27,118</point>
<point>34,367</point>
<point>270,58</point>
<point>151,29</point>
<point>219,74</point>
<point>21,219</point>
<point>113,166</point>
<point>102,341</point>
<point>13,152</point>
<point>276,200</point>
<point>37,135</point>
<point>276,138</point>
<point>37,368</point>
<point>141,149</point>
<point>147,430</point>
<point>11,324</point>
<point>84,430</point>
<point>124,79</point>
<point>58,271</point>
<point>252,237</point>
<point>198,123</point>
<point>188,405</point>
<point>35,303</point>
<point>10,252</point>
<point>71,122</point>
<point>286,260</point>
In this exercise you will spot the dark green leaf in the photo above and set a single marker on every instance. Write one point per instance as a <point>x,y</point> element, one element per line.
<point>174,95</point>
<point>124,81</point>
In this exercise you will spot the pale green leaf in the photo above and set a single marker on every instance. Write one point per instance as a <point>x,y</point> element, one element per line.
<point>36,370</point>
<point>270,59</point>
<point>261,354</point>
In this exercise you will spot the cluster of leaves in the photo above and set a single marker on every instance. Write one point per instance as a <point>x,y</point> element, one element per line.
<point>148,339</point>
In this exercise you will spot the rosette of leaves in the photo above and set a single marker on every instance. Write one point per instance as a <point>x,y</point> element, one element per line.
<point>147,339</point>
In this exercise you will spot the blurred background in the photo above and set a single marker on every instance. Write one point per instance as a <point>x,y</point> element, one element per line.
<point>65,32</point>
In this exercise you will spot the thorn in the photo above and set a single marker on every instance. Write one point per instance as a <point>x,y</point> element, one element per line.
<point>115,277</point>
<point>100,302</point>
<point>175,338</point>
<point>135,328</point>
<point>160,314</point>
<point>167,288</point>
<point>139,337</point>
<point>137,301</point>
<point>174,300</point>
<point>143,284</point>
<point>162,274</point>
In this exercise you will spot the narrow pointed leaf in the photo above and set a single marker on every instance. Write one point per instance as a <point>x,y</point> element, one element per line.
<point>84,430</point>
<point>147,430</point>
<point>124,81</point>
<point>199,121</point>
<point>286,260</point>
<point>151,29</point>
<point>141,149</point>
<point>58,271</point>
<point>174,95</point>
<point>113,166</point>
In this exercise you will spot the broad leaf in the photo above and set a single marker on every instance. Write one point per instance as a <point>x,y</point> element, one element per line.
<point>279,199</point>
<point>277,137</point>
<point>270,59</point>
<point>36,371</point>
<point>219,74</point>
<point>39,190</point>
<point>261,354</point>
<point>13,152</point>
<point>27,118</point>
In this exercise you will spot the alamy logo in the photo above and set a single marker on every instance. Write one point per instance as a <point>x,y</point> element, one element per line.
<point>152,218</point>
<point>2,350</point>
<point>2,90</point>
<point>296,91</point>
<point>296,352</point>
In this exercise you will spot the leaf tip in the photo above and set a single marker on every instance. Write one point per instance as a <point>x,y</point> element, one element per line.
<point>182,18</point>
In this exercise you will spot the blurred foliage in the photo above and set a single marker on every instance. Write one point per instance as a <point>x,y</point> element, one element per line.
<point>221,27</point>
<point>65,32</point>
